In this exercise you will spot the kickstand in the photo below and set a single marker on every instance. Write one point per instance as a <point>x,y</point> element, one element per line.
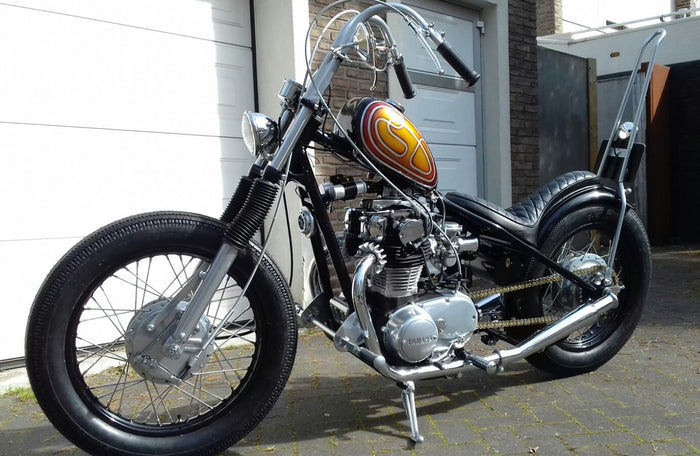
<point>408,397</point>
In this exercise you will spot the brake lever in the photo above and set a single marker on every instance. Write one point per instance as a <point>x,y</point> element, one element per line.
<point>421,34</point>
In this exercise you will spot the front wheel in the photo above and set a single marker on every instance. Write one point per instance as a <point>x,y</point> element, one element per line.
<point>85,318</point>
<point>581,242</point>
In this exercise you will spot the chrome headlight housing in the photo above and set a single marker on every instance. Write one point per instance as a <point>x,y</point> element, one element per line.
<point>260,134</point>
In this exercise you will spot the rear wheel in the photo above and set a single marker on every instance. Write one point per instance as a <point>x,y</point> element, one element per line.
<point>87,319</point>
<point>581,242</point>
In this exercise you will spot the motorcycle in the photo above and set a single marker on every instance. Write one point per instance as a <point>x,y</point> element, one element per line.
<point>174,333</point>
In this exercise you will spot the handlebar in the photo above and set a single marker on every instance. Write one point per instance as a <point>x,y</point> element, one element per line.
<point>421,27</point>
<point>404,79</point>
<point>469,75</point>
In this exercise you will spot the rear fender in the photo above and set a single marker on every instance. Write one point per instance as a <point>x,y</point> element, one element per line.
<point>595,195</point>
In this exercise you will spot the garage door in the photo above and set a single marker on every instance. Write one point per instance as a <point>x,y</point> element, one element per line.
<point>111,108</point>
<point>445,111</point>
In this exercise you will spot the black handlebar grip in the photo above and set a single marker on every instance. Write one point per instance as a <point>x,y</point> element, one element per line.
<point>469,75</point>
<point>404,79</point>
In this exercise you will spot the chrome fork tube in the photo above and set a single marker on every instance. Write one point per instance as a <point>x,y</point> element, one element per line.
<point>212,279</point>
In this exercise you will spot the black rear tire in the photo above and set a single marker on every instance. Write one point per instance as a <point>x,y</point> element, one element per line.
<point>75,347</point>
<point>587,234</point>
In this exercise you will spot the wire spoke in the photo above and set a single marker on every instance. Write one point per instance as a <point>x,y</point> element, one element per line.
<point>210,407</point>
<point>125,385</point>
<point>560,297</point>
<point>117,325</point>
<point>103,352</point>
<point>102,342</point>
<point>145,288</point>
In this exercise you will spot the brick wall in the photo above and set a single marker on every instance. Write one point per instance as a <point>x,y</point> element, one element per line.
<point>349,82</point>
<point>683,4</point>
<point>524,130</point>
<point>549,17</point>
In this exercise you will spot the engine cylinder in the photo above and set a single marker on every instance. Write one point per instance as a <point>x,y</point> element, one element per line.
<point>397,282</point>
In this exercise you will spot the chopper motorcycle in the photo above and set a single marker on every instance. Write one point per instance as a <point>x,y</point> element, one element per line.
<point>174,333</point>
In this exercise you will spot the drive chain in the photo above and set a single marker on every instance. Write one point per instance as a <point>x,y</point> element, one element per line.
<point>479,294</point>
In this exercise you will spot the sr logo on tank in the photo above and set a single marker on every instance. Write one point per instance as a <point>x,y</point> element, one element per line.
<point>393,140</point>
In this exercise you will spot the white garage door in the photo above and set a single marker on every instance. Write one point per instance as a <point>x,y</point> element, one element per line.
<point>107,109</point>
<point>445,111</point>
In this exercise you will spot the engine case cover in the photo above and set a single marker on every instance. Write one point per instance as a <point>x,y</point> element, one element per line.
<point>417,331</point>
<point>411,333</point>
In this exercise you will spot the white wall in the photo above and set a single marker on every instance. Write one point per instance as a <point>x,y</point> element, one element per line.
<point>580,14</point>
<point>280,34</point>
<point>109,109</point>
<point>617,52</point>
<point>496,99</point>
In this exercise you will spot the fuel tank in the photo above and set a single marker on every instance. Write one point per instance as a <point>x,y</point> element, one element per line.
<point>390,141</point>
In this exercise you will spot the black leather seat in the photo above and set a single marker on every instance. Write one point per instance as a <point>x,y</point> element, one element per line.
<point>521,218</point>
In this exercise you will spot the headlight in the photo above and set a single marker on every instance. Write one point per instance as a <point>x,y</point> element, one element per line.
<point>260,134</point>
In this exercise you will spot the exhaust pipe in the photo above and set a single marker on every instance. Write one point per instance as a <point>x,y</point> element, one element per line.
<point>579,318</point>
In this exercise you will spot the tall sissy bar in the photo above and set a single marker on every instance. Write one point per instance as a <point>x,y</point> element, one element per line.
<point>620,150</point>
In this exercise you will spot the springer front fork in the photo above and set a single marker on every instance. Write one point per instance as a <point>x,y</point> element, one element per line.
<point>247,211</point>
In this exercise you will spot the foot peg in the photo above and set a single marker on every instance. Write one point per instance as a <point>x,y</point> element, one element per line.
<point>408,397</point>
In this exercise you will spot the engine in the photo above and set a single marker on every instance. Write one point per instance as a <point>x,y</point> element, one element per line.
<point>417,317</point>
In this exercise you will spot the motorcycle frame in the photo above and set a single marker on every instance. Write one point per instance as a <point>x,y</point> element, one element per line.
<point>298,127</point>
<point>292,128</point>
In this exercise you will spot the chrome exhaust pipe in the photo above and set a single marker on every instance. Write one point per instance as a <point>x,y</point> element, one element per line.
<point>578,318</point>
<point>583,316</point>
<point>372,261</point>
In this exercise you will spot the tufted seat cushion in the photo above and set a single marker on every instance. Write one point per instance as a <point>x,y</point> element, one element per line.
<point>521,217</point>
<point>529,211</point>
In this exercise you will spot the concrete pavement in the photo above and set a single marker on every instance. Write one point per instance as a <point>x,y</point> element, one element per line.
<point>645,401</point>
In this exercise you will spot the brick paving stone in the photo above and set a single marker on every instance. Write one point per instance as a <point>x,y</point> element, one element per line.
<point>576,441</point>
<point>504,441</point>
<point>689,434</point>
<point>644,428</point>
<point>342,447</point>
<point>635,411</point>
<point>594,421</point>
<point>453,432</point>
<point>320,446</point>
<point>546,431</point>
<point>627,397</point>
<point>595,451</point>
<point>675,420</point>
<point>548,447</point>
<point>674,401</point>
<point>653,449</point>
<point>547,413</point>
<point>504,406</point>
<point>472,449</point>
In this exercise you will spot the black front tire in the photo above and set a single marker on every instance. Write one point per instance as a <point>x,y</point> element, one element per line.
<point>75,348</point>
<point>587,234</point>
